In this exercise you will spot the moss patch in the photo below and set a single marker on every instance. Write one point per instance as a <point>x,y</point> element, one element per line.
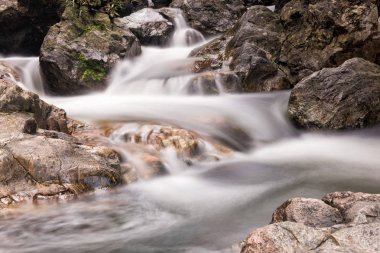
<point>92,70</point>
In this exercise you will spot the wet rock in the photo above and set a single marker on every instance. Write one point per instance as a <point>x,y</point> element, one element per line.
<point>45,164</point>
<point>78,52</point>
<point>357,230</point>
<point>14,99</point>
<point>215,83</point>
<point>185,142</point>
<point>8,72</point>
<point>24,24</point>
<point>335,33</point>
<point>251,49</point>
<point>310,212</point>
<point>149,26</point>
<point>211,17</point>
<point>346,200</point>
<point>338,98</point>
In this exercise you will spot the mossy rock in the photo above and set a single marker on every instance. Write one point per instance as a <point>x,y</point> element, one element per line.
<point>78,53</point>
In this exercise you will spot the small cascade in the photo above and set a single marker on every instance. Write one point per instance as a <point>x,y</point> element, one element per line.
<point>159,71</point>
<point>29,70</point>
<point>185,35</point>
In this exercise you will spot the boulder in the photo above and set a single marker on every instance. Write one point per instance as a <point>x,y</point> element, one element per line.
<point>24,24</point>
<point>338,98</point>
<point>211,17</point>
<point>320,34</point>
<point>78,53</point>
<point>310,212</point>
<point>250,49</point>
<point>39,162</point>
<point>149,26</point>
<point>14,99</point>
<point>350,221</point>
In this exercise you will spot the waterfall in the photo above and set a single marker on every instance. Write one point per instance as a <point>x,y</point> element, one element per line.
<point>202,207</point>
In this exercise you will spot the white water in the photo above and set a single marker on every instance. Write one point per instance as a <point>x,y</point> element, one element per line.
<point>210,206</point>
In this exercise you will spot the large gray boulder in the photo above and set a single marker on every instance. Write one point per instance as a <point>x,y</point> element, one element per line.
<point>250,49</point>
<point>211,17</point>
<point>24,24</point>
<point>342,222</point>
<point>338,98</point>
<point>320,34</point>
<point>78,53</point>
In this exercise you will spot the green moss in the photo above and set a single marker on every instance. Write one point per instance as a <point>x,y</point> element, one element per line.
<point>99,27</point>
<point>92,70</point>
<point>111,7</point>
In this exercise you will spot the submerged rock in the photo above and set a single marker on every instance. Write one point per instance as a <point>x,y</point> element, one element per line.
<point>24,24</point>
<point>78,53</point>
<point>149,26</point>
<point>320,34</point>
<point>211,17</point>
<point>338,98</point>
<point>39,162</point>
<point>251,50</point>
<point>351,223</point>
<point>209,83</point>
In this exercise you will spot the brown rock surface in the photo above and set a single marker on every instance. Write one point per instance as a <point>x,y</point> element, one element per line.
<point>37,161</point>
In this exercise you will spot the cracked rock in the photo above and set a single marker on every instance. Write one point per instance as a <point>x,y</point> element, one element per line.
<point>341,222</point>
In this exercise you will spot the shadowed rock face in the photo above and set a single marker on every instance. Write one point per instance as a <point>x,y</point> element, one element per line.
<point>250,49</point>
<point>78,52</point>
<point>321,34</point>
<point>24,24</point>
<point>38,160</point>
<point>338,98</point>
<point>211,17</point>
<point>341,222</point>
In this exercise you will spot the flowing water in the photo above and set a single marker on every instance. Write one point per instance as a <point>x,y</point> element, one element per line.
<point>210,206</point>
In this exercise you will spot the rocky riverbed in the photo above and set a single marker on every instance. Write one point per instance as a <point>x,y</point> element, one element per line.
<point>196,112</point>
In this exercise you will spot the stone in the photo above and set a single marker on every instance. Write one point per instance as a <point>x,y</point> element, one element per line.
<point>250,49</point>
<point>14,99</point>
<point>210,17</point>
<point>310,212</point>
<point>38,162</point>
<point>24,24</point>
<point>345,97</point>
<point>78,53</point>
<point>342,222</point>
<point>149,26</point>
<point>319,34</point>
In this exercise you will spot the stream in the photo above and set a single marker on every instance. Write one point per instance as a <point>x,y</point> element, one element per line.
<point>210,206</point>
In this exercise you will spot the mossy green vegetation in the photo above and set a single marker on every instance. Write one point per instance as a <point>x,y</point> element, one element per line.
<point>99,27</point>
<point>92,69</point>
<point>110,7</point>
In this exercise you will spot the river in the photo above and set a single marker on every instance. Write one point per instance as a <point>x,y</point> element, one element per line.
<point>210,206</point>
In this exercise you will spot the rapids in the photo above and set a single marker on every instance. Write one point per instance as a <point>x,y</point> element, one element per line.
<point>208,207</point>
